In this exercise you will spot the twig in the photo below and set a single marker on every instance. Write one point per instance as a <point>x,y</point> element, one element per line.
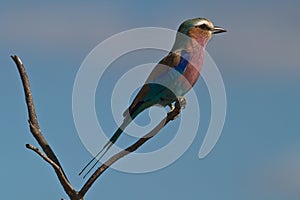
<point>48,160</point>
<point>33,122</point>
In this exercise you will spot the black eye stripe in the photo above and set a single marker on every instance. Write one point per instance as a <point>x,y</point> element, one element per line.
<point>203,26</point>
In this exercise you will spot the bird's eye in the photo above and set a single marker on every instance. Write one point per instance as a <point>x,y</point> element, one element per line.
<point>203,26</point>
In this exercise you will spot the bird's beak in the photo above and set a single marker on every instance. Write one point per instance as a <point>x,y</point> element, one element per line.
<point>218,30</point>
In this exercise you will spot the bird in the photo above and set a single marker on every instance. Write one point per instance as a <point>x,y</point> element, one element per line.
<point>172,77</point>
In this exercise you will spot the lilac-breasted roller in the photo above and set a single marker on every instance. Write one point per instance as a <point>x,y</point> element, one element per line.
<point>173,76</point>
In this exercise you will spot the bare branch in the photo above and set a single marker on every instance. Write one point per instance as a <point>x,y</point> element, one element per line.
<point>171,116</point>
<point>48,160</point>
<point>53,164</point>
<point>36,132</point>
<point>34,125</point>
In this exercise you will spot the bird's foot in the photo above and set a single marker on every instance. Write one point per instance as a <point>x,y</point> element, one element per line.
<point>175,110</point>
<point>172,107</point>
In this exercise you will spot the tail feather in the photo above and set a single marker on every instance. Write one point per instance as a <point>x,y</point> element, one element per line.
<point>129,115</point>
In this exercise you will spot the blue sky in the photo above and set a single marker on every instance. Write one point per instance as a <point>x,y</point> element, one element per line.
<point>257,156</point>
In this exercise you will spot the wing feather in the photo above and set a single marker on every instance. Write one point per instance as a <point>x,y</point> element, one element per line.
<point>171,60</point>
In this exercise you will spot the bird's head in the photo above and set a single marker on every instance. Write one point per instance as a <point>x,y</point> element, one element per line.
<point>199,29</point>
